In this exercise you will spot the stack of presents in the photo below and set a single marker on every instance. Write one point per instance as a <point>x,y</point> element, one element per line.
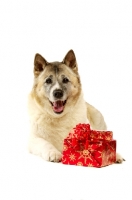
<point>90,148</point>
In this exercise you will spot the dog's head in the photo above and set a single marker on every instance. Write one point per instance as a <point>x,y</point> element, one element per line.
<point>56,84</point>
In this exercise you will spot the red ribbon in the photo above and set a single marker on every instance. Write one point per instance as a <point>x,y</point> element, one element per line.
<point>74,142</point>
<point>82,133</point>
<point>86,144</point>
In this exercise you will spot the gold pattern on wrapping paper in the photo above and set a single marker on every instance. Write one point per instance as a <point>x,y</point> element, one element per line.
<point>104,158</point>
<point>90,149</point>
<point>108,137</point>
<point>100,152</point>
<point>65,147</point>
<point>107,157</point>
<point>72,157</point>
<point>100,144</point>
<point>92,135</point>
<point>100,137</point>
<point>85,154</point>
<point>112,156</point>
<point>80,164</point>
<point>90,165</point>
<point>112,147</point>
<point>102,134</point>
<point>64,160</point>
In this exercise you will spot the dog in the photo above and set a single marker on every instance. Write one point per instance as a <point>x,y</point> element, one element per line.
<point>56,105</point>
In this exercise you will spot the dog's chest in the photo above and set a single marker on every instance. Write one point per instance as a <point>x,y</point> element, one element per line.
<point>55,130</point>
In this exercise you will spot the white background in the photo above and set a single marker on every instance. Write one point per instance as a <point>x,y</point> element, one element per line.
<point>100,33</point>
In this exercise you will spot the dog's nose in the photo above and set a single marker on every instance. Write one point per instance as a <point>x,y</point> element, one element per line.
<point>58,93</point>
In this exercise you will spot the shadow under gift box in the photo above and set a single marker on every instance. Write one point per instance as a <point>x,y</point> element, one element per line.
<point>96,150</point>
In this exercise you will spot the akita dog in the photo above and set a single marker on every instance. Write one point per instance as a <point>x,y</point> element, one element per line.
<point>56,105</point>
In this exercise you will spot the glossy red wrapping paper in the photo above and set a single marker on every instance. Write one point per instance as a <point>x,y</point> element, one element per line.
<point>86,147</point>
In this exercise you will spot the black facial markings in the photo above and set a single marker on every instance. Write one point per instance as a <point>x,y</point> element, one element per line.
<point>49,79</point>
<point>54,66</point>
<point>65,80</point>
<point>55,69</point>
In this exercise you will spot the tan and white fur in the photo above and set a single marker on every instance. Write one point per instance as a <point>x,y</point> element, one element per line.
<point>56,105</point>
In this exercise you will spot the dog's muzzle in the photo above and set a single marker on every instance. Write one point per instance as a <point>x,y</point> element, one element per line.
<point>58,104</point>
<point>58,93</point>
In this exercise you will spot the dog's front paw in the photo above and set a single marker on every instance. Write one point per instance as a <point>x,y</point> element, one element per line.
<point>119,158</point>
<point>53,155</point>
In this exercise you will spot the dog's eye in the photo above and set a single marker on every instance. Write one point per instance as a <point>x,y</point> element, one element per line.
<point>48,81</point>
<point>65,80</point>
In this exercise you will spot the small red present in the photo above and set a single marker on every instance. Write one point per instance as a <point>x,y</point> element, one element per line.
<point>87,147</point>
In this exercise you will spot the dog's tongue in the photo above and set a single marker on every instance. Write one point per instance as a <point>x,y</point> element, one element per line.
<point>58,106</point>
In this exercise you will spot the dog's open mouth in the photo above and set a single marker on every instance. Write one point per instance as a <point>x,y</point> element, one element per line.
<point>58,106</point>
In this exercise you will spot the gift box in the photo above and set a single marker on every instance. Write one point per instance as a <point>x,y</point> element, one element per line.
<point>87,147</point>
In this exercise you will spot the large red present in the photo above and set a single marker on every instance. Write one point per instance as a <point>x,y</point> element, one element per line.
<point>87,147</point>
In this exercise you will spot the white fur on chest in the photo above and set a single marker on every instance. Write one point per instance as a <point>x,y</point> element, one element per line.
<point>54,130</point>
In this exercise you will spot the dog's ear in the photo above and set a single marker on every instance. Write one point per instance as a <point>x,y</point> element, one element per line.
<point>39,64</point>
<point>70,60</point>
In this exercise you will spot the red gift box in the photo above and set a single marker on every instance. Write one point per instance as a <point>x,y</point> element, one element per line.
<point>87,147</point>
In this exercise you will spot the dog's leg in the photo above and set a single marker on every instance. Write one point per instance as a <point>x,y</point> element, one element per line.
<point>119,158</point>
<point>43,148</point>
